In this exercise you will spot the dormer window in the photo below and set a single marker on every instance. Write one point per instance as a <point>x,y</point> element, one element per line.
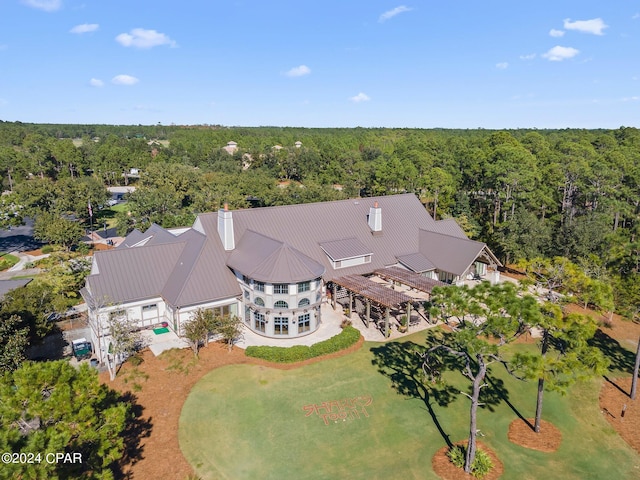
<point>347,252</point>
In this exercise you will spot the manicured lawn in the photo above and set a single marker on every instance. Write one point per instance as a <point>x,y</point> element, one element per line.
<point>7,260</point>
<point>246,422</point>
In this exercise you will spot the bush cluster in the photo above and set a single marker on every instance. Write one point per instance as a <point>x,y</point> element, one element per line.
<point>482,464</point>
<point>348,337</point>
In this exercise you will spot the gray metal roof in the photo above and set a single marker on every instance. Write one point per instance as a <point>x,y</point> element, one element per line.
<point>417,262</point>
<point>277,244</point>
<point>305,227</point>
<point>450,254</point>
<point>184,270</point>
<point>7,285</point>
<point>449,226</point>
<point>345,248</point>
<point>132,273</point>
<point>268,260</point>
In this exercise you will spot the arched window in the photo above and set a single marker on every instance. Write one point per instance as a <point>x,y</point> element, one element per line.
<point>259,301</point>
<point>303,302</point>
<point>281,304</point>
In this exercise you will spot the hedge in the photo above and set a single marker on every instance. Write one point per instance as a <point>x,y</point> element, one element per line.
<point>348,337</point>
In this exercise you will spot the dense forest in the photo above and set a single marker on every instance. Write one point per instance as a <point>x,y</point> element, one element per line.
<point>527,193</point>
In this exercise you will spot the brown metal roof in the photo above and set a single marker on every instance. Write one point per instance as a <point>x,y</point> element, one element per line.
<point>373,291</point>
<point>410,279</point>
<point>345,248</point>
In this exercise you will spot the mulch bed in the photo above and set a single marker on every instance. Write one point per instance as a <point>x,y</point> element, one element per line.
<point>614,400</point>
<point>163,393</point>
<point>448,471</point>
<point>521,433</point>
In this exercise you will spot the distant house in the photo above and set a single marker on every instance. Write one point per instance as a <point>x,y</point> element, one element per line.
<point>231,147</point>
<point>271,266</point>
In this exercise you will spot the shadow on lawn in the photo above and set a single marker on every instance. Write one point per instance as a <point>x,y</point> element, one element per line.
<point>402,363</point>
<point>621,359</point>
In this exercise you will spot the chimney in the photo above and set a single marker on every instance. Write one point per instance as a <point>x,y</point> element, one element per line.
<point>375,218</point>
<point>225,228</point>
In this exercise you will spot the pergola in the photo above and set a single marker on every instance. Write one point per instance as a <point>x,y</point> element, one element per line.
<point>372,292</point>
<point>410,279</point>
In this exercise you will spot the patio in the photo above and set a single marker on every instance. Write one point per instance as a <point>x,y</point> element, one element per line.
<point>158,343</point>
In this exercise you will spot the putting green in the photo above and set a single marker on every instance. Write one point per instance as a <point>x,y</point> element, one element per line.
<point>342,418</point>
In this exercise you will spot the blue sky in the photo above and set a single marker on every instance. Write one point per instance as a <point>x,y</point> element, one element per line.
<point>373,63</point>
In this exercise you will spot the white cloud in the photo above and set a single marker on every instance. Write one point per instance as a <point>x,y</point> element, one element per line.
<point>141,38</point>
<point>392,13</point>
<point>558,53</point>
<point>636,16</point>
<point>85,28</point>
<point>96,82</point>
<point>556,33</point>
<point>124,80</point>
<point>46,5</point>
<point>631,99</point>
<point>530,56</point>
<point>594,26</point>
<point>361,97</point>
<point>502,65</point>
<point>298,71</point>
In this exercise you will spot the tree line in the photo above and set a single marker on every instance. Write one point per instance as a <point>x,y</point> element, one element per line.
<point>526,193</point>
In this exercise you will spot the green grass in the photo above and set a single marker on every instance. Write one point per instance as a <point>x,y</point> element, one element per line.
<point>245,422</point>
<point>7,260</point>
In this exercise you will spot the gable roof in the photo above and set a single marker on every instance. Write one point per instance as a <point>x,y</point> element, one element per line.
<point>450,254</point>
<point>184,270</point>
<point>131,274</point>
<point>268,260</point>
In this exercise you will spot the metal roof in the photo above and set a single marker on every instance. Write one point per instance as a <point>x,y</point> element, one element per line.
<point>345,248</point>
<point>385,296</point>
<point>7,285</point>
<point>416,262</point>
<point>187,269</point>
<point>410,279</point>
<point>268,260</point>
<point>449,226</point>
<point>449,254</point>
<point>306,227</point>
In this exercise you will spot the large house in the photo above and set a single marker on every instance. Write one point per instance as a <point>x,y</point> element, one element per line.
<point>271,266</point>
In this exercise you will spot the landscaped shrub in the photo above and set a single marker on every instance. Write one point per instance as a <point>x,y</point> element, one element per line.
<point>482,464</point>
<point>46,249</point>
<point>348,337</point>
